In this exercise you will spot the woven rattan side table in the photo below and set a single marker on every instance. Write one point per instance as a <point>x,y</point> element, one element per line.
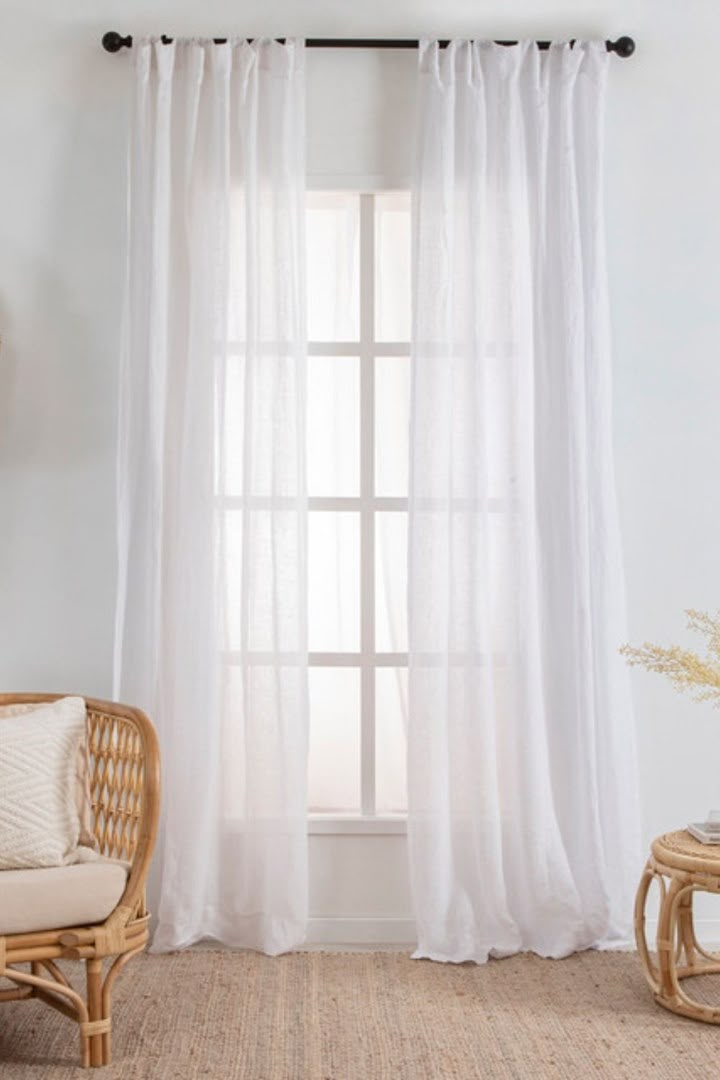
<point>681,866</point>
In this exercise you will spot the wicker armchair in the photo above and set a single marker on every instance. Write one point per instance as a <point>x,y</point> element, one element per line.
<point>124,773</point>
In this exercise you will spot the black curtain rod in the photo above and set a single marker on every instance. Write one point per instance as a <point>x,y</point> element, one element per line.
<point>114,42</point>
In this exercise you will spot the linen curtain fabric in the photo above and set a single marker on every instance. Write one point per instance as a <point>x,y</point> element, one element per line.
<point>522,791</point>
<point>211,616</point>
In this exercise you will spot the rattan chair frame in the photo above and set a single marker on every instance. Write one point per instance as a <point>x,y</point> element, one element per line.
<point>124,777</point>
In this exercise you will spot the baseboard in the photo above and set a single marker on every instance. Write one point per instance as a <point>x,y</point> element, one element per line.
<point>339,932</point>
<point>360,933</point>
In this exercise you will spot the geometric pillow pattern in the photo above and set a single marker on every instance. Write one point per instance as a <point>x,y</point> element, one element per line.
<point>82,778</point>
<point>39,822</point>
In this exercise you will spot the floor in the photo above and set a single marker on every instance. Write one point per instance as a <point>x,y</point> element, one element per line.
<point>372,1016</point>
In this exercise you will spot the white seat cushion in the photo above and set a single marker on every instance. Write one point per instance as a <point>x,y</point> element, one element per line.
<point>57,896</point>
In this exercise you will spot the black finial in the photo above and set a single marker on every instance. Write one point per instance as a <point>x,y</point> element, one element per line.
<point>624,47</point>
<point>114,42</point>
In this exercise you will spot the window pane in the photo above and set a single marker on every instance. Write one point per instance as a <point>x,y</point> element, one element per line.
<point>333,425</point>
<point>486,543</point>
<point>391,582</point>
<point>334,581</point>
<point>266,598</point>
<point>272,381</point>
<point>334,762</point>
<point>238,257</point>
<point>274,690</point>
<point>392,425</point>
<point>333,254</point>
<point>232,546</point>
<point>230,428</point>
<point>392,267</point>
<point>499,374</point>
<point>391,740</point>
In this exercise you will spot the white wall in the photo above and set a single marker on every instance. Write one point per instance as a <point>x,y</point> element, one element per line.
<point>62,132</point>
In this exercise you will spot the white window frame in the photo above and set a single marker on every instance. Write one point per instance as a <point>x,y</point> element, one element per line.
<point>367,504</point>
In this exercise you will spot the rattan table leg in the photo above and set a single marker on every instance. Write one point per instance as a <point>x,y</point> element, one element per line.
<point>685,927</point>
<point>650,971</point>
<point>666,942</point>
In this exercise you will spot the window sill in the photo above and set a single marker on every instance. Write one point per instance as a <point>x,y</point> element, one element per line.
<point>354,825</point>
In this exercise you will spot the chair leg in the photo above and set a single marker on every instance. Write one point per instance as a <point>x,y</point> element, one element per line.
<point>115,968</point>
<point>93,970</point>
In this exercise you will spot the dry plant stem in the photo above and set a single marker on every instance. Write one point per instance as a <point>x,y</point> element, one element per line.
<point>688,672</point>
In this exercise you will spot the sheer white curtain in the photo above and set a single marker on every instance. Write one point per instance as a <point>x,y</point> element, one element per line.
<point>211,624</point>
<point>522,790</point>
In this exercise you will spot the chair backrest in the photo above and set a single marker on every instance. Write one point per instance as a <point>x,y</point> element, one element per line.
<point>116,766</point>
<point>123,774</point>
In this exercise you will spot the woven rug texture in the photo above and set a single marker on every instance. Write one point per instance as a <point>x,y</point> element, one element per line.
<point>371,1016</point>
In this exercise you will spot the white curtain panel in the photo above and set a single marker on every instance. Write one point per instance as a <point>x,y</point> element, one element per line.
<point>211,624</point>
<point>523,825</point>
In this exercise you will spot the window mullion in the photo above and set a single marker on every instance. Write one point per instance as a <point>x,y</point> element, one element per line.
<point>367,514</point>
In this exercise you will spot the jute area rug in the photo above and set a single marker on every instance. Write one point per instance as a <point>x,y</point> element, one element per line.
<point>371,1016</point>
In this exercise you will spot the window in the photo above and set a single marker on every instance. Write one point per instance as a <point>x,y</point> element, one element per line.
<point>358,411</point>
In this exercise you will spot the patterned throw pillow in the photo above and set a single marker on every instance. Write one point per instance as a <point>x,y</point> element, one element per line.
<point>39,822</point>
<point>82,778</point>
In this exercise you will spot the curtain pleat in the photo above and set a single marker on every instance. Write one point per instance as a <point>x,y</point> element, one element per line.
<point>523,814</point>
<point>212,516</point>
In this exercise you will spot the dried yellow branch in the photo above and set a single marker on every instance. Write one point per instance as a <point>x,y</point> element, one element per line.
<point>688,672</point>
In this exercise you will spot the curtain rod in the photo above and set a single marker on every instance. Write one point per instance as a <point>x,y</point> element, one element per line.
<point>114,42</point>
